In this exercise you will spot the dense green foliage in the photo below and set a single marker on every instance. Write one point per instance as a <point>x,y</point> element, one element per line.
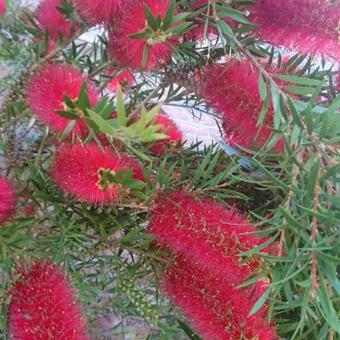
<point>293,197</point>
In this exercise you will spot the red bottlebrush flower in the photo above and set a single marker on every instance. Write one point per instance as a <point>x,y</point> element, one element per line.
<point>52,20</point>
<point>7,199</point>
<point>232,90</point>
<point>215,308</point>
<point>97,11</point>
<point>129,51</point>
<point>124,79</point>
<point>169,128</point>
<point>45,94</point>
<point>2,7</point>
<point>43,306</point>
<point>82,170</point>
<point>206,232</point>
<point>309,26</point>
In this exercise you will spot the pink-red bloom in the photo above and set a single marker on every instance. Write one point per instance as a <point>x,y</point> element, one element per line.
<point>309,26</point>
<point>215,308</point>
<point>85,170</point>
<point>2,7</point>
<point>124,79</point>
<point>98,11</point>
<point>7,199</point>
<point>52,20</point>
<point>43,306</point>
<point>205,232</point>
<point>140,53</point>
<point>231,89</point>
<point>45,95</point>
<point>169,128</point>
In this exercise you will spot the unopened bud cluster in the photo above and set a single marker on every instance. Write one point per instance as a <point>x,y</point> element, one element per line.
<point>139,301</point>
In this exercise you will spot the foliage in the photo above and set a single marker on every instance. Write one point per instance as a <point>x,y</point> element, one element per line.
<point>292,196</point>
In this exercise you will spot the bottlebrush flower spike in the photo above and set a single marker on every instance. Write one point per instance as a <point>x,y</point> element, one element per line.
<point>83,171</point>
<point>45,95</point>
<point>205,232</point>
<point>215,308</point>
<point>7,199</point>
<point>232,90</point>
<point>130,51</point>
<point>98,11</point>
<point>124,79</point>
<point>52,20</point>
<point>309,26</point>
<point>2,7</point>
<point>43,306</point>
<point>169,128</point>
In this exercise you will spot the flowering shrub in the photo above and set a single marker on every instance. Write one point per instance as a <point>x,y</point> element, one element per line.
<point>114,224</point>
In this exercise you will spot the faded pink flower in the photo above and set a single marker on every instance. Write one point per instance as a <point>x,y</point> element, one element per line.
<point>309,26</point>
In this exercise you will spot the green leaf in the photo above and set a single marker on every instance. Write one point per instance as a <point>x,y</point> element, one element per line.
<point>169,15</point>
<point>257,249</point>
<point>102,124</point>
<point>146,117</point>
<point>313,179</point>
<point>327,309</point>
<point>179,17</point>
<point>151,20</point>
<point>295,114</point>
<point>83,99</point>
<point>324,125</point>
<point>262,87</point>
<point>188,331</point>
<point>299,80</point>
<point>332,171</point>
<point>251,281</point>
<point>139,35</point>
<point>260,302</point>
<point>275,97</point>
<point>300,90</point>
<point>335,104</point>
<point>263,112</point>
<point>68,101</point>
<point>309,119</point>
<point>179,29</point>
<point>67,114</point>
<point>291,219</point>
<point>224,28</point>
<point>234,14</point>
